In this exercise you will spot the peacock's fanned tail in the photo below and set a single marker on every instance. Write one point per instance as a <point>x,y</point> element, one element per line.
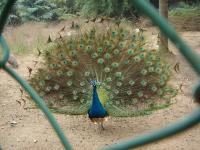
<point>132,80</point>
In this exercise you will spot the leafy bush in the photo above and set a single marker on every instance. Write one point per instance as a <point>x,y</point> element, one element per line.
<point>40,10</point>
<point>106,7</point>
<point>183,9</point>
<point>49,10</point>
<point>2,3</point>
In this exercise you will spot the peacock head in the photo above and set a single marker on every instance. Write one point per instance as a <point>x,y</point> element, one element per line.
<point>95,83</point>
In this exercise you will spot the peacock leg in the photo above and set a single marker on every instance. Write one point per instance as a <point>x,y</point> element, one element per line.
<point>102,127</point>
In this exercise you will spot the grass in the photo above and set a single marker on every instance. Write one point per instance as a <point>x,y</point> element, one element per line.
<point>26,38</point>
<point>185,10</point>
<point>19,48</point>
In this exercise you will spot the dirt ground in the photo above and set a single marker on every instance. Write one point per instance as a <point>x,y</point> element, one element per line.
<point>28,129</point>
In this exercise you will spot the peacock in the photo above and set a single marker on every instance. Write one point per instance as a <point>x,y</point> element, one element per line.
<point>103,73</point>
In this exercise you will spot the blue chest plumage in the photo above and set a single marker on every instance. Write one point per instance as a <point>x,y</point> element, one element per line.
<point>96,110</point>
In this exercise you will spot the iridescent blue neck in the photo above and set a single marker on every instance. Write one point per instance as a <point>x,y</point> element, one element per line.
<point>96,110</point>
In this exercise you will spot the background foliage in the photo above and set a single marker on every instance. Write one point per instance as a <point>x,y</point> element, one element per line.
<point>56,10</point>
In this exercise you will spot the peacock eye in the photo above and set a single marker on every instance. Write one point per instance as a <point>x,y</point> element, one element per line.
<point>48,77</point>
<point>142,38</point>
<point>130,51</point>
<point>134,100</point>
<point>119,84</point>
<point>133,37</point>
<point>42,93</point>
<point>82,100</point>
<point>87,74</point>
<point>107,56</point>
<point>141,49</point>
<point>48,88</point>
<point>74,92</point>
<point>107,69</point>
<point>144,72</point>
<point>116,91</point>
<point>64,62</point>
<point>81,46</point>
<point>140,94</point>
<point>114,33</point>
<point>73,53</point>
<point>56,87</point>
<point>116,51</point>
<point>88,48</point>
<point>59,73</point>
<point>151,69</point>
<point>142,55</point>
<point>100,61</point>
<point>111,96</point>
<point>115,64</point>
<point>131,82</point>
<point>70,46</point>
<point>164,77</point>
<point>161,82</point>
<point>152,57</point>
<point>149,63</point>
<point>129,92</point>
<point>126,62</point>
<point>94,55</point>
<point>92,31</point>
<point>158,70</point>
<point>83,91</point>
<point>69,73</point>
<point>100,49</point>
<point>154,88</point>
<point>74,63</point>
<point>109,79</point>
<point>132,45</point>
<point>143,83</point>
<point>118,74</point>
<point>108,87</point>
<point>69,83</point>
<point>121,44</point>
<point>61,55</point>
<point>98,83</point>
<point>137,59</point>
<point>160,92</point>
<point>123,35</point>
<point>106,43</point>
<point>82,83</point>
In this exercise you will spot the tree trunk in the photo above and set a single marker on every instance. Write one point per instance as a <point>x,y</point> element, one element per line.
<point>163,41</point>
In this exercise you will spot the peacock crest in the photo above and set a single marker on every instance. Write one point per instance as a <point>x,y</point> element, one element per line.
<point>130,79</point>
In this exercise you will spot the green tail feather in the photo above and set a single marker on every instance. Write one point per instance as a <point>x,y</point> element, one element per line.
<point>132,79</point>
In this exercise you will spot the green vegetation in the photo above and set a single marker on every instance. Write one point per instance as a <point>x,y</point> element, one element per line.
<point>185,10</point>
<point>56,10</point>
<point>107,7</point>
<point>186,17</point>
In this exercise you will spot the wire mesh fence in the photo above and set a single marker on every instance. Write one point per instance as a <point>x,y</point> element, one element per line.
<point>172,129</point>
